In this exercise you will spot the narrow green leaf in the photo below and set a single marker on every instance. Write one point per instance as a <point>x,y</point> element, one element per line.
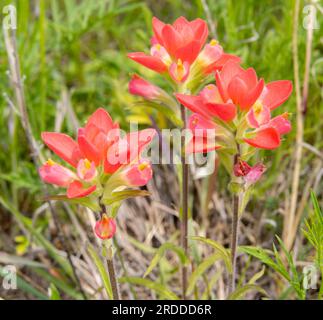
<point>86,202</point>
<point>102,270</point>
<point>54,293</point>
<point>224,253</point>
<point>242,291</point>
<point>199,271</point>
<point>25,286</point>
<point>160,253</point>
<point>122,195</point>
<point>257,276</point>
<point>157,287</point>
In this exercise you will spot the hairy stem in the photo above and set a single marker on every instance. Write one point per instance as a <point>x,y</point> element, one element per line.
<point>113,278</point>
<point>184,220</point>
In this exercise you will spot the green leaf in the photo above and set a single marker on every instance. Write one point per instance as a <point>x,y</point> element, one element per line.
<point>224,253</point>
<point>160,253</point>
<point>122,195</point>
<point>60,284</point>
<point>240,292</point>
<point>86,201</point>
<point>317,208</point>
<point>157,287</point>
<point>257,276</point>
<point>39,238</point>
<point>25,286</point>
<point>200,269</point>
<point>54,293</point>
<point>102,270</point>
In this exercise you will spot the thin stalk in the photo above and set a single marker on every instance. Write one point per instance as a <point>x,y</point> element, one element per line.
<point>184,220</point>
<point>290,217</point>
<point>113,278</point>
<point>234,232</point>
<point>234,242</point>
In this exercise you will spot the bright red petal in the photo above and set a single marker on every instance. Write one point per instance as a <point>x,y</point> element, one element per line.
<point>268,138</point>
<point>276,93</point>
<point>88,149</point>
<point>200,29</point>
<point>158,28</point>
<point>223,78</point>
<point>226,111</point>
<point>194,103</point>
<point>100,119</point>
<point>64,146</point>
<point>189,52</point>
<point>225,57</point>
<point>172,40</point>
<point>251,97</point>
<point>237,91</point>
<point>148,61</point>
<point>76,190</point>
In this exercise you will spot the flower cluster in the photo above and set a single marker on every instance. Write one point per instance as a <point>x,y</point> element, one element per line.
<point>243,103</point>
<point>101,161</point>
<point>179,50</point>
<point>235,114</point>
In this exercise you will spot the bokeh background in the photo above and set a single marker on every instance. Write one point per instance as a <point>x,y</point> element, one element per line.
<point>73,60</point>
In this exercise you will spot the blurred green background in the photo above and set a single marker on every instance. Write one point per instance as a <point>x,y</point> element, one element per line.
<point>74,52</point>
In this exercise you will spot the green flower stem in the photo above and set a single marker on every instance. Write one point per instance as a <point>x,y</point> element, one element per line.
<point>113,278</point>
<point>235,229</point>
<point>234,242</point>
<point>184,220</point>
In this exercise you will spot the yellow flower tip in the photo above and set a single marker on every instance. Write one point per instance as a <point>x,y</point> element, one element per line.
<point>194,122</point>
<point>50,162</point>
<point>214,42</point>
<point>87,164</point>
<point>158,46</point>
<point>257,107</point>
<point>104,217</point>
<point>179,63</point>
<point>142,166</point>
<point>286,115</point>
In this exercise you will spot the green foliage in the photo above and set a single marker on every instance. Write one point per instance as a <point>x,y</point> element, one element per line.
<point>161,290</point>
<point>102,270</point>
<point>160,253</point>
<point>313,232</point>
<point>73,53</point>
<point>277,264</point>
<point>223,253</point>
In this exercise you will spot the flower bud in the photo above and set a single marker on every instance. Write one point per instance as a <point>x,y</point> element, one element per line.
<point>105,228</point>
<point>241,168</point>
<point>138,174</point>
<point>54,173</point>
<point>143,88</point>
<point>86,170</point>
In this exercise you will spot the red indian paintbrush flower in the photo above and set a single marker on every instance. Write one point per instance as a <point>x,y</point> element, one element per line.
<point>178,48</point>
<point>245,102</point>
<point>103,161</point>
<point>91,154</point>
